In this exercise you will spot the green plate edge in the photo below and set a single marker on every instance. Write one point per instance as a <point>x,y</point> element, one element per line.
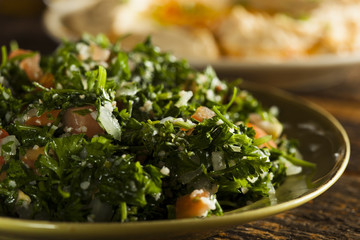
<point>189,228</point>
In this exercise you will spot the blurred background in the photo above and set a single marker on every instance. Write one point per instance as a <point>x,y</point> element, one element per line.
<point>21,21</point>
<point>298,45</point>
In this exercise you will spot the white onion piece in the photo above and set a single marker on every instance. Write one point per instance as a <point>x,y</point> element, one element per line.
<point>109,122</point>
<point>185,96</point>
<point>13,144</point>
<point>291,169</point>
<point>218,162</point>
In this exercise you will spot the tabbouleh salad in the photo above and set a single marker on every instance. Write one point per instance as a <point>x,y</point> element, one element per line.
<point>94,133</point>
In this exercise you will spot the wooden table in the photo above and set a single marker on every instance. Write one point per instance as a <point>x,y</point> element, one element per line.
<point>333,215</point>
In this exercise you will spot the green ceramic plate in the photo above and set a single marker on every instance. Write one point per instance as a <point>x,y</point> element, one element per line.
<point>322,140</point>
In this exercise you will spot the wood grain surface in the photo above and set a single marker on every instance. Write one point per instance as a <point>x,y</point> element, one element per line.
<point>333,215</point>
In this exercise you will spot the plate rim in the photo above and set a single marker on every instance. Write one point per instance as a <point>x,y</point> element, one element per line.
<point>37,228</point>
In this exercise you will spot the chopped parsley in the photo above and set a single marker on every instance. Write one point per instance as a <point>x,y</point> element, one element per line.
<point>96,133</point>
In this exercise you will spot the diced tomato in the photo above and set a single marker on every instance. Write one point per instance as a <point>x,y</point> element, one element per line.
<point>271,126</point>
<point>2,176</point>
<point>18,52</point>
<point>31,65</point>
<point>202,113</point>
<point>46,118</point>
<point>3,133</point>
<point>218,88</point>
<point>99,54</point>
<point>32,155</point>
<point>2,161</point>
<point>195,204</point>
<point>188,131</point>
<point>47,80</point>
<point>259,132</point>
<point>82,120</point>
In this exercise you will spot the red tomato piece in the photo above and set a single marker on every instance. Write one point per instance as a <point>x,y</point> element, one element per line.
<point>195,204</point>
<point>202,113</point>
<point>32,155</point>
<point>3,133</point>
<point>259,132</point>
<point>82,120</point>
<point>30,65</point>
<point>47,80</point>
<point>2,161</point>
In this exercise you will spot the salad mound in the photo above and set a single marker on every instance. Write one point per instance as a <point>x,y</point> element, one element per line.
<point>96,133</point>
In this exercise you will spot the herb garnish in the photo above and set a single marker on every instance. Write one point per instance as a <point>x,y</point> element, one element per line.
<point>95,133</point>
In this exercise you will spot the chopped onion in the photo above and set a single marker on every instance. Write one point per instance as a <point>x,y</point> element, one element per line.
<point>291,169</point>
<point>218,162</point>
<point>272,194</point>
<point>184,98</point>
<point>109,122</point>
